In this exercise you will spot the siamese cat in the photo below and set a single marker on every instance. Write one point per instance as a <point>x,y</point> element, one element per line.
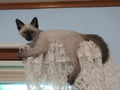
<point>69,39</point>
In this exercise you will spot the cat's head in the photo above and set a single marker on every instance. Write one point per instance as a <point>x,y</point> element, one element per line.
<point>28,31</point>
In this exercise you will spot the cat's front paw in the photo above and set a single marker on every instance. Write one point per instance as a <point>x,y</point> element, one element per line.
<point>21,54</point>
<point>71,79</point>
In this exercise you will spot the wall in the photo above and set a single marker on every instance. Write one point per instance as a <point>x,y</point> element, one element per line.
<point>104,21</point>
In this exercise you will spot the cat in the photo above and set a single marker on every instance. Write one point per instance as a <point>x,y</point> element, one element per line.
<point>69,39</point>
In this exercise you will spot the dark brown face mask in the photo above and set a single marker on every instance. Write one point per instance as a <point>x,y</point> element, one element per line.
<point>28,35</point>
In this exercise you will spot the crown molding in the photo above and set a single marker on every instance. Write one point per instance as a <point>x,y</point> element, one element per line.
<point>59,4</point>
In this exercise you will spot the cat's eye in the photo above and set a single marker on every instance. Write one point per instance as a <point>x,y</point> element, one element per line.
<point>24,33</point>
<point>32,33</point>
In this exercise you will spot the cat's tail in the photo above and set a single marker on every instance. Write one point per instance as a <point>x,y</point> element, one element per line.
<point>101,43</point>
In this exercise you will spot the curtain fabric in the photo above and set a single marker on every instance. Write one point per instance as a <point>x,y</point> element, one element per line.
<point>49,71</point>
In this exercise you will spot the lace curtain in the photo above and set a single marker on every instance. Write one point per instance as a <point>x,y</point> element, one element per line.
<point>49,71</point>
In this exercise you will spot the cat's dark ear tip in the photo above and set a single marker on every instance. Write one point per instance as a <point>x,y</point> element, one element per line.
<point>17,20</point>
<point>35,17</point>
<point>19,23</point>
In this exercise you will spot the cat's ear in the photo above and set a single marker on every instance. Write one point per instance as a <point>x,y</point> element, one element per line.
<point>19,24</point>
<point>34,22</point>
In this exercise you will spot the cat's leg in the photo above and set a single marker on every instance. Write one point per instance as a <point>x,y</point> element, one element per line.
<point>76,66</point>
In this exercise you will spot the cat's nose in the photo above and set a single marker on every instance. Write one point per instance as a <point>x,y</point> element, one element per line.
<point>29,38</point>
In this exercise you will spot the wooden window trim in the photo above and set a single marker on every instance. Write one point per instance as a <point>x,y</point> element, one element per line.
<point>7,54</point>
<point>59,4</point>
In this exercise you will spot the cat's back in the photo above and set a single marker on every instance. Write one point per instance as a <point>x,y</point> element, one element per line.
<point>62,35</point>
<point>59,32</point>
